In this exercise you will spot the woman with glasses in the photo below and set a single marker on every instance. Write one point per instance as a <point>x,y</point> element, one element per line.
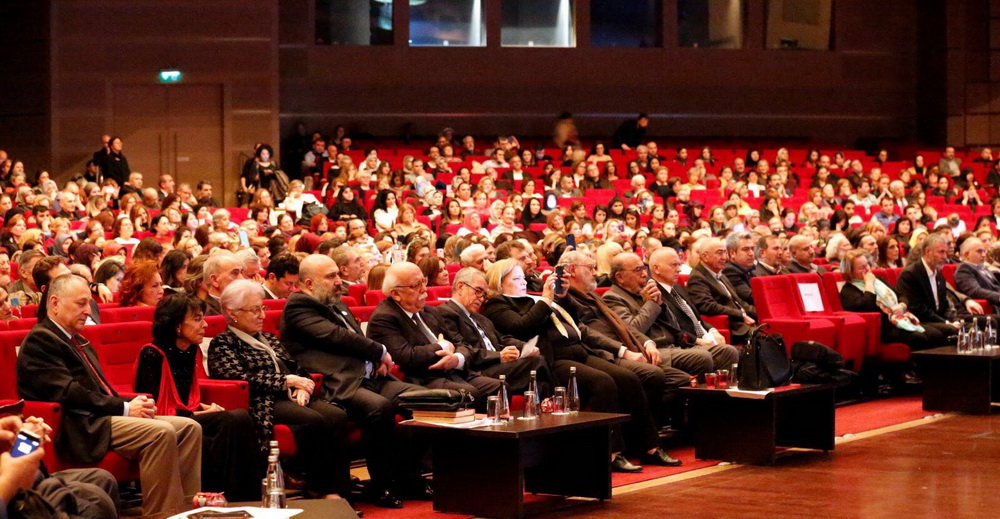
<point>280,391</point>
<point>167,369</point>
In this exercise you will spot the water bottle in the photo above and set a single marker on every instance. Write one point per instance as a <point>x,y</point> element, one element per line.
<point>503,404</point>
<point>991,334</point>
<point>980,338</point>
<point>572,393</point>
<point>274,495</point>
<point>962,345</point>
<point>533,386</point>
<point>277,466</point>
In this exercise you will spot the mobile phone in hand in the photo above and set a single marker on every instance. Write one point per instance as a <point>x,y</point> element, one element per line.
<point>26,443</point>
<point>571,240</point>
<point>558,288</point>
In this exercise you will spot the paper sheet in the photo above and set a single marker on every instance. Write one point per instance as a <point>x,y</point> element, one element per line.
<point>529,347</point>
<point>256,513</point>
<point>812,300</point>
<point>482,422</point>
<point>754,395</point>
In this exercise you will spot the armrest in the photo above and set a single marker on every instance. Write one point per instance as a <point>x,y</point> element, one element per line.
<point>318,379</point>
<point>51,412</point>
<point>987,307</point>
<point>230,394</point>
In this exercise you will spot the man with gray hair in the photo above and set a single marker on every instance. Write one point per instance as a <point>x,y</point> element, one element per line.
<point>491,353</point>
<point>972,278</point>
<point>350,264</point>
<point>739,269</point>
<point>322,334</point>
<point>803,253</point>
<point>713,294</point>
<point>922,286</point>
<point>474,256</point>
<point>251,264</point>
<point>220,269</point>
<point>418,340</point>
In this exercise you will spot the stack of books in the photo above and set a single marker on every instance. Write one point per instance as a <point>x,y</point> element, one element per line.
<point>460,416</point>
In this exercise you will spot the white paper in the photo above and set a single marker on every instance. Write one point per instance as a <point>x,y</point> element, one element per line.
<point>812,300</point>
<point>744,393</point>
<point>257,513</point>
<point>482,422</point>
<point>529,347</point>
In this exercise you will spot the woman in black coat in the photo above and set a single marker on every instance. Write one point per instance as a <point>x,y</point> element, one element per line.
<point>280,391</point>
<point>347,207</point>
<point>863,292</point>
<point>167,369</point>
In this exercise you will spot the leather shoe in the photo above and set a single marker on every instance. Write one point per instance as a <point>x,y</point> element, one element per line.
<point>384,499</point>
<point>658,457</point>
<point>622,464</point>
<point>418,490</point>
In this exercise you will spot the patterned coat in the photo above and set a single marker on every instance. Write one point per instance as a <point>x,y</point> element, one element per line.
<point>230,358</point>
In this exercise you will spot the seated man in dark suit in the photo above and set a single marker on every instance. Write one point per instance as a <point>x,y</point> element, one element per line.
<point>492,354</point>
<point>321,333</point>
<point>972,278</point>
<point>713,294</point>
<point>680,318</point>
<point>803,253</point>
<point>56,364</point>
<point>417,339</point>
<point>740,268</point>
<point>769,257</point>
<point>923,288</point>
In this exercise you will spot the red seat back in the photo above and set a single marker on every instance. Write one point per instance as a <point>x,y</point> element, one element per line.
<point>26,323</point>
<point>127,314</point>
<point>275,304</point>
<point>362,313</point>
<point>272,321</point>
<point>357,291</point>
<point>771,296</point>
<point>832,283</point>
<point>949,273</point>
<point>809,279</point>
<point>373,297</point>
<point>443,292</point>
<point>9,342</point>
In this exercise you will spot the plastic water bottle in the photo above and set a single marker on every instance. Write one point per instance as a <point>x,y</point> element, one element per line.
<point>277,466</point>
<point>991,334</point>
<point>274,495</point>
<point>533,386</point>
<point>503,404</point>
<point>963,346</point>
<point>572,393</point>
<point>980,341</point>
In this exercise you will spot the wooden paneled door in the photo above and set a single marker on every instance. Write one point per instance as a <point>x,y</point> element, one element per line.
<point>175,129</point>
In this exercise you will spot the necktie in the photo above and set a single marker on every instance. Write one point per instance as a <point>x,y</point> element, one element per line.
<point>97,374</point>
<point>699,330</point>
<point>569,319</point>
<point>482,334</point>
<point>423,327</point>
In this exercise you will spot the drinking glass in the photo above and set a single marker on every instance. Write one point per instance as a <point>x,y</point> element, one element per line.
<point>711,380</point>
<point>492,409</point>
<point>559,400</point>
<point>530,406</point>
<point>723,378</point>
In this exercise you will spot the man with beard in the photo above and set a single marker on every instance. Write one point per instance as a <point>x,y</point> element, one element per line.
<point>323,336</point>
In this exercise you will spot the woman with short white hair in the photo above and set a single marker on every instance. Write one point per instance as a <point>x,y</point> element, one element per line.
<point>280,391</point>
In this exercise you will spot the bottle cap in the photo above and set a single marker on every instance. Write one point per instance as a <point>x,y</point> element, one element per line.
<point>534,372</point>
<point>272,459</point>
<point>572,369</point>
<point>503,377</point>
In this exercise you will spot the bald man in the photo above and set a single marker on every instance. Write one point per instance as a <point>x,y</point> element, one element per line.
<point>972,278</point>
<point>321,333</point>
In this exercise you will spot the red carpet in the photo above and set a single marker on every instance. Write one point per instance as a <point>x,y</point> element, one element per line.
<point>850,419</point>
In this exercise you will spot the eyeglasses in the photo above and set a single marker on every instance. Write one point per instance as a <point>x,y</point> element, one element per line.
<point>420,284</point>
<point>480,293</point>
<point>640,269</point>
<point>591,267</point>
<point>254,309</point>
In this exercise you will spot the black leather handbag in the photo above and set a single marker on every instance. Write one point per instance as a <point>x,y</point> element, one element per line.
<point>764,361</point>
<point>435,400</point>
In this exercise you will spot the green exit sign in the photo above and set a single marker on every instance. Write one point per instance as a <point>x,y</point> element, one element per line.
<point>170,76</point>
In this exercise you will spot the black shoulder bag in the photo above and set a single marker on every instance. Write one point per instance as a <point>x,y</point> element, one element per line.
<point>764,361</point>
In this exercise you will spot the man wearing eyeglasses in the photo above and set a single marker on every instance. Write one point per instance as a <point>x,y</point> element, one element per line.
<point>491,354</point>
<point>323,336</point>
<point>418,340</point>
<point>713,294</point>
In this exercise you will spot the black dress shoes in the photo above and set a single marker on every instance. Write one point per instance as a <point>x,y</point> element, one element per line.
<point>658,457</point>
<point>622,464</point>
<point>383,498</point>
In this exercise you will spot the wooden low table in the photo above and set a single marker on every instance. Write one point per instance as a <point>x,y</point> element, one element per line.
<point>747,430</point>
<point>486,471</point>
<point>964,383</point>
<point>315,508</point>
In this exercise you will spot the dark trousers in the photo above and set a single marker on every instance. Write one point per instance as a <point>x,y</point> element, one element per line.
<point>518,374</point>
<point>934,335</point>
<point>320,431</point>
<point>612,388</point>
<point>77,493</point>
<point>390,457</point>
<point>231,460</point>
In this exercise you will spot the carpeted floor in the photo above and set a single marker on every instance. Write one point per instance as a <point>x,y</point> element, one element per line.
<point>851,419</point>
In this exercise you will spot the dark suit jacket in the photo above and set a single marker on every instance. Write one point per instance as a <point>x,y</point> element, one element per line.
<point>318,340</point>
<point>524,318</point>
<point>51,369</point>
<point>795,268</point>
<point>458,324</point>
<point>648,317</point>
<point>408,345</point>
<point>710,298</point>
<point>679,318</point>
<point>914,289</point>
<point>739,277</point>
<point>588,313</point>
<point>760,270</point>
<point>977,284</point>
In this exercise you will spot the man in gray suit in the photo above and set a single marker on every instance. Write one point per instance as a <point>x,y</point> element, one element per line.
<point>637,300</point>
<point>972,277</point>
<point>713,294</point>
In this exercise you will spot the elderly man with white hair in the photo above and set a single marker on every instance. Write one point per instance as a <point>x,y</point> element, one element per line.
<point>221,268</point>
<point>713,294</point>
<point>251,264</point>
<point>474,256</point>
<point>418,340</point>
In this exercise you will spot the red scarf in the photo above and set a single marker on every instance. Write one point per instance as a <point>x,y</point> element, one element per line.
<point>170,401</point>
